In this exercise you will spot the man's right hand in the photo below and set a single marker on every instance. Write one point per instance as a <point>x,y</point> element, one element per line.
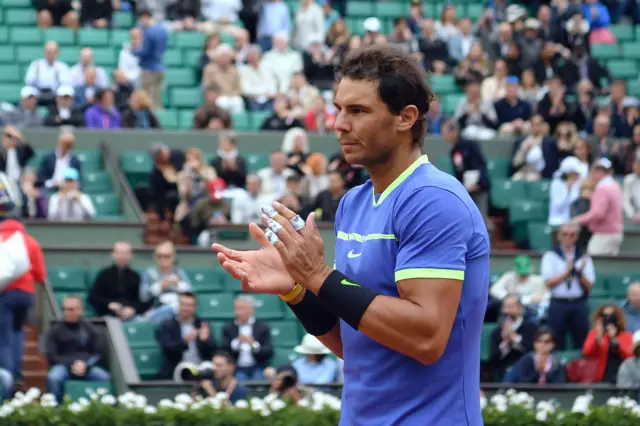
<point>191,336</point>
<point>114,307</point>
<point>207,386</point>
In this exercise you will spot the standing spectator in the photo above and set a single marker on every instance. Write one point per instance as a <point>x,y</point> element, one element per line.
<point>14,153</point>
<point>246,206</point>
<point>604,217</point>
<point>581,206</point>
<point>569,274</point>
<point>223,74</point>
<point>184,15</point>
<point>96,13</point>
<point>608,343</point>
<point>69,204</point>
<point>78,71</point>
<point>309,24</point>
<point>540,366</point>
<point>564,190</point>
<point>129,63</point>
<point>56,13</point>
<point>248,340</point>
<point>629,372</point>
<point>116,289</point>
<point>138,114</point>
<point>74,349</point>
<point>630,193</point>
<point>154,43</point>
<point>25,115</point>
<point>47,74</point>
<point>54,164</point>
<point>224,368</point>
<point>315,367</point>
<point>631,307</point>
<point>103,114</point>
<point>17,298</point>
<point>596,14</point>
<point>10,202</point>
<point>63,113</point>
<point>274,19</point>
<point>228,163</point>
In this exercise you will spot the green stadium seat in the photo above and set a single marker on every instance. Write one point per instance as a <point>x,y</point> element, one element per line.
<point>105,56</point>
<point>485,342</point>
<point>71,55</point>
<point>17,4</point>
<point>443,84</point>
<point>140,334</point>
<point>504,190</point>
<point>4,33</point>
<point>91,161</point>
<point>605,51</point>
<point>231,284</point>
<point>596,302</point>
<point>241,121</point>
<point>539,190</point>
<point>390,10</point>
<point>190,40</point>
<point>215,306</point>
<point>619,283</point>
<point>631,50</point>
<point>63,36</point>
<point>527,211</point>
<point>495,276</point>
<point>233,234</point>
<point>20,17</point>
<point>539,236</point>
<point>257,161</point>
<point>182,97</point>
<point>622,32</point>
<point>168,118</point>
<point>96,183</point>
<point>173,58</point>
<point>67,279</point>
<point>191,57</point>
<point>257,118</point>
<point>633,87</point>
<point>180,77</point>
<point>107,204</point>
<point>623,69</point>
<point>450,102</point>
<point>185,119</point>
<point>118,37</point>
<point>10,73</point>
<point>474,11</point>
<point>136,161</point>
<point>284,333</point>
<point>428,10</point>
<point>283,356</point>
<point>27,54</point>
<point>216,329</point>
<point>76,389</point>
<point>355,25</point>
<point>362,9</point>
<point>569,355</point>
<point>206,280</point>
<point>7,54</point>
<point>123,19</point>
<point>498,168</point>
<point>25,35</point>
<point>93,37</point>
<point>600,287</point>
<point>148,361</point>
<point>268,306</point>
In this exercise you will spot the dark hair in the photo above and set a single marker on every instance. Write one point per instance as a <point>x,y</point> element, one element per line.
<point>543,330</point>
<point>337,173</point>
<point>226,355</point>
<point>101,92</point>
<point>143,12</point>
<point>400,79</point>
<point>188,294</point>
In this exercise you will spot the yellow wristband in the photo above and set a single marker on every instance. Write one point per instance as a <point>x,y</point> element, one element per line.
<point>295,292</point>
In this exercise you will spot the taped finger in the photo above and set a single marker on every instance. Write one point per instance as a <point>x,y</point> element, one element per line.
<point>271,236</point>
<point>297,223</point>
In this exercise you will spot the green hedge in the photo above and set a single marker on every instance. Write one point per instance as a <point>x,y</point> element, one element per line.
<point>102,409</point>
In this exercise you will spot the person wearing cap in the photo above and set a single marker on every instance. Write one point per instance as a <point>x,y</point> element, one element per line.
<point>315,367</point>
<point>63,113</point>
<point>25,115</point>
<point>513,114</point>
<point>54,164</point>
<point>15,152</point>
<point>48,73</point>
<point>69,204</point>
<point>631,191</point>
<point>520,281</point>
<point>629,371</point>
<point>563,191</point>
<point>604,217</point>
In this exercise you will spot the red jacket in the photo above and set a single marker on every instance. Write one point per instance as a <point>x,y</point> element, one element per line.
<point>38,269</point>
<point>598,351</point>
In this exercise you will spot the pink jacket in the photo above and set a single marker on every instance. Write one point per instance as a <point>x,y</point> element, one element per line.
<point>605,215</point>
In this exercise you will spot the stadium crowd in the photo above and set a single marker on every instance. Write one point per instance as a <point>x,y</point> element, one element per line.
<point>525,73</point>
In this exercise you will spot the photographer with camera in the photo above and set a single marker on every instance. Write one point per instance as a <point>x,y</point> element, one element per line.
<point>220,379</point>
<point>284,383</point>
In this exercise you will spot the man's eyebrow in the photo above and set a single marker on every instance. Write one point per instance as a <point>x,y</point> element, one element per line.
<point>353,105</point>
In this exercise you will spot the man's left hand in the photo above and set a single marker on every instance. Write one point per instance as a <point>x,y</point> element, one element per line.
<point>302,252</point>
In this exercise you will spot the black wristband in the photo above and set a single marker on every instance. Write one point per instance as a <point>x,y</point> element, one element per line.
<point>346,298</point>
<point>315,317</point>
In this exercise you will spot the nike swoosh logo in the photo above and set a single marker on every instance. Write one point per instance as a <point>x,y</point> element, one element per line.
<point>347,282</point>
<point>352,255</point>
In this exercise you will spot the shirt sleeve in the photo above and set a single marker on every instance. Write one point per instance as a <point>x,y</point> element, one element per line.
<point>433,227</point>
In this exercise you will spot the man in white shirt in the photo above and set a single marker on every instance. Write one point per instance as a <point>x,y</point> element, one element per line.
<point>569,274</point>
<point>69,204</point>
<point>631,193</point>
<point>282,62</point>
<point>220,16</point>
<point>274,177</point>
<point>246,205</point>
<point>78,70</point>
<point>48,73</point>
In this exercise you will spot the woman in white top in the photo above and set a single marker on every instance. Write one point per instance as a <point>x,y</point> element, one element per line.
<point>309,24</point>
<point>446,27</point>
<point>564,190</point>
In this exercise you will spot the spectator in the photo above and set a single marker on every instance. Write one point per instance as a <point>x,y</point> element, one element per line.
<point>161,284</point>
<point>281,61</point>
<point>315,367</point>
<point>116,289</point>
<point>566,135</point>
<point>476,118</point>
<point>193,181</point>
<point>274,18</point>
<point>184,337</point>
<point>248,340</point>
<point>223,74</point>
<point>228,163</point>
<point>224,368</point>
<point>256,83</point>
<point>315,179</point>
<point>474,67</point>
<point>282,118</point>
<point>435,117</point>
<point>17,298</point>
<point>494,87</point>
<point>301,95</point>
<point>529,43</point>
<point>529,88</point>
<point>582,151</point>
<point>6,384</point>
<point>325,204</point>
<point>309,24</point>
<point>209,212</point>
<point>184,15</point>
<point>352,174</point>
<point>56,13</point>
<point>601,140</point>
<point>630,193</point>
<point>291,198</point>
<point>103,114</point>
<point>460,43</point>
<point>553,107</point>
<point>521,282</point>
<point>62,113</point>
<point>604,217</point>
<point>319,65</point>
<point>138,115</point>
<point>446,27</point>
<point>512,113</point>
<point>435,54</point>
<point>596,14</point>
<point>85,95</point>
<point>129,63</point>
<point>74,349</point>
<point>631,307</point>
<point>69,204</point>
<point>211,43</point>
<point>295,145</point>
<point>54,164</point>
<point>528,156</point>
<point>629,372</point>
<point>209,115</point>
<point>34,202</point>
<point>96,13</point>
<point>247,205</point>
<point>154,43</point>
<point>540,366</point>
<point>513,338</point>
<point>586,108</point>
<point>47,74</point>
<point>274,177</point>
<point>220,16</point>
<point>78,71</point>
<point>581,206</point>
<point>25,115</point>
<point>15,153</point>
<point>122,90</point>
<point>569,274</point>
<point>564,190</point>
<point>608,342</point>
<point>163,183</point>
<point>10,201</point>
<point>318,118</point>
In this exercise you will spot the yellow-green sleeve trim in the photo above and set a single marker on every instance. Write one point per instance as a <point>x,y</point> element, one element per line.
<point>413,273</point>
<point>403,176</point>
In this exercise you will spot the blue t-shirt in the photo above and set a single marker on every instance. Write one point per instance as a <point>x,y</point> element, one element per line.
<point>425,225</point>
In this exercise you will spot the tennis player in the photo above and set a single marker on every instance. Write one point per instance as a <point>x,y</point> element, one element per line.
<point>404,302</point>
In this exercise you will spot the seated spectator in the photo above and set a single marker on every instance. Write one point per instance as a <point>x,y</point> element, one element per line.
<point>435,117</point>
<point>69,204</point>
<point>474,67</point>
<point>246,206</point>
<point>494,87</point>
<point>552,107</point>
<point>631,307</point>
<point>460,44</point>
<point>604,217</point>
<point>139,115</point>
<point>34,201</point>
<point>224,367</point>
<point>596,14</point>
<point>85,94</point>
<point>24,115</point>
<point>274,18</point>
<point>184,15</point>
<point>228,163</point>
<point>210,211</point>
<point>314,170</point>
<point>161,284</point>
<point>566,136</point>
<point>586,106</point>
<point>209,115</point>
<point>476,118</point>
<point>529,88</point>
<point>6,384</point>
<point>184,338</point>
<point>353,174</point>
<point>315,367</point>
<point>581,206</point>
<point>629,372</point>
<point>319,118</point>
<point>116,289</point>
<point>97,13</point>
<point>163,183</point>
<point>582,151</point>
<point>282,118</point>
<point>301,95</point>
<point>122,90</point>
<point>54,164</point>
<point>569,274</point>
<point>308,24</point>
<point>241,39</point>
<point>208,53</point>
<point>512,113</point>
<point>282,62</point>
<point>608,343</point>
<point>602,140</point>
<point>521,282</point>
<point>513,338</point>
<point>564,190</point>
<point>223,74</point>
<point>103,114</point>
<point>528,155</point>
<point>193,181</point>
<point>62,113</point>
<point>47,74</point>
<point>446,27</point>
<point>319,65</point>
<point>435,53</point>
<point>529,43</point>
<point>256,84</point>
<point>15,152</point>
<point>274,177</point>
<point>74,349</point>
<point>78,72</point>
<point>129,63</point>
<point>540,366</point>
<point>325,203</point>
<point>630,193</point>
<point>248,340</point>
<point>626,152</point>
<point>220,16</point>
<point>56,13</point>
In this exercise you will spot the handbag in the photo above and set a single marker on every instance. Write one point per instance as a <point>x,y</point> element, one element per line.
<point>14,259</point>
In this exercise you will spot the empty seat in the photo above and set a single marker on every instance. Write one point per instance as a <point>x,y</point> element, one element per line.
<point>67,279</point>
<point>191,57</point>
<point>206,280</point>
<point>185,119</point>
<point>140,334</point>
<point>257,118</point>
<point>363,9</point>
<point>76,389</point>
<point>605,51</point>
<point>596,302</point>
<point>623,69</point>
<point>618,284</point>
<point>284,333</point>
<point>241,121</point>
<point>539,190</point>
<point>390,10</point>
<point>283,356</point>
<point>123,19</point>
<point>527,211</point>
<point>256,162</point>
<point>185,97</point>
<point>105,56</point>
<point>540,236</point>
<point>25,35</point>
<point>173,58</point>
<point>96,183</point>
<point>268,306</point>
<point>20,17</point>
<point>193,40</point>
<point>136,161</point>
<point>215,306</point>
<point>4,34</point>
<point>70,55</point>
<point>443,84</point>
<point>10,93</point>
<point>498,168</point>
<point>91,161</point>
<point>93,37</point>
<point>485,342</point>
<point>17,4</point>
<point>168,118</point>
<point>450,102</point>
<point>148,361</point>
<point>106,204</point>
<point>216,329</point>
<point>504,190</point>
<point>180,77</point>
<point>622,32</point>
<point>119,37</point>
<point>600,287</point>
<point>10,73</point>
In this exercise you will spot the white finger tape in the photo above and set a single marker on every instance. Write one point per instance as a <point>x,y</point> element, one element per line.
<point>271,236</point>
<point>269,211</point>
<point>274,226</point>
<point>297,223</point>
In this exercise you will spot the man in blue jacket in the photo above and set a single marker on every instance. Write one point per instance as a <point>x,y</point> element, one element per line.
<point>154,42</point>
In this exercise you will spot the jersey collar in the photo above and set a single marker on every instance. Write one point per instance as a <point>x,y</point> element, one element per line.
<point>423,159</point>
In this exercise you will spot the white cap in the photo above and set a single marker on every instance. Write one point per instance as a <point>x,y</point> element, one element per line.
<point>372,24</point>
<point>311,346</point>
<point>569,165</point>
<point>604,163</point>
<point>28,91</point>
<point>65,90</point>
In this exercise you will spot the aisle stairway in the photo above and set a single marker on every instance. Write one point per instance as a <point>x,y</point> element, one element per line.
<point>34,363</point>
